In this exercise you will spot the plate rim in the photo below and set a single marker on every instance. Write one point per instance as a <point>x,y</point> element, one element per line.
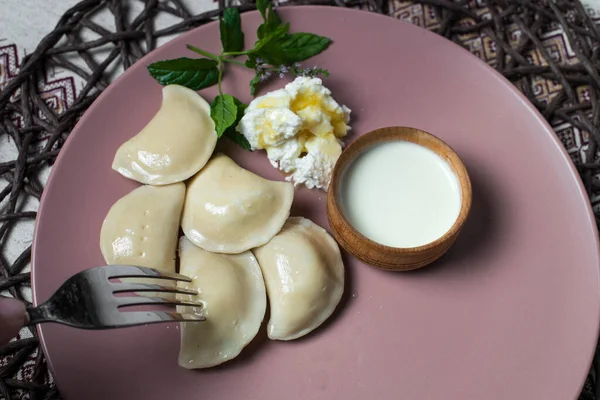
<point>549,131</point>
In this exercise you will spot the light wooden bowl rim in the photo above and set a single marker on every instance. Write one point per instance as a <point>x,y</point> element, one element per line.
<point>398,133</point>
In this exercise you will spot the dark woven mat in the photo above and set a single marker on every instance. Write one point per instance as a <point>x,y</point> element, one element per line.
<point>549,49</point>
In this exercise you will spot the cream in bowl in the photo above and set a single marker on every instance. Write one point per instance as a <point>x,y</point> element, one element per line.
<point>399,198</point>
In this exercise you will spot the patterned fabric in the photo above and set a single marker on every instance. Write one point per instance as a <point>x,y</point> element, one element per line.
<point>58,92</point>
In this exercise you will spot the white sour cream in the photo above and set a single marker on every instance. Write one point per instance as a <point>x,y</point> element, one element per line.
<point>400,194</point>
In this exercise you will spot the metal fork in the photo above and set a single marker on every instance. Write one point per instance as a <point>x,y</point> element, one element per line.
<point>87,300</point>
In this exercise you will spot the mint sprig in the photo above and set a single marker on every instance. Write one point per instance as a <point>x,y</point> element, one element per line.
<point>275,52</point>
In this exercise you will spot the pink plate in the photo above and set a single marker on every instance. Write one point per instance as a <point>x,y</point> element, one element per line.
<point>510,313</point>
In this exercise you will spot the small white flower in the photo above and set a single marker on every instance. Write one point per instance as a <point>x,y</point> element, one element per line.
<point>265,75</point>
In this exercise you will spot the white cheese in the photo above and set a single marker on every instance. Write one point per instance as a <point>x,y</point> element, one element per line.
<point>299,126</point>
<point>266,127</point>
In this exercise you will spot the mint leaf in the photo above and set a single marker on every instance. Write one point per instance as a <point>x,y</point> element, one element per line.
<point>223,111</point>
<point>193,73</point>
<point>238,138</point>
<point>231,133</point>
<point>301,46</point>
<point>272,17</point>
<point>291,48</point>
<point>241,108</point>
<point>272,22</point>
<point>278,34</point>
<point>230,26</point>
<point>262,5</point>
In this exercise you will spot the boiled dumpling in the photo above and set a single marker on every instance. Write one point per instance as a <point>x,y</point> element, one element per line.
<point>174,145</point>
<point>141,229</point>
<point>304,275</point>
<point>232,291</point>
<point>230,210</point>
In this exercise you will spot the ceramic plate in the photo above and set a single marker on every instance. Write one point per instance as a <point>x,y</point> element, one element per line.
<point>510,313</point>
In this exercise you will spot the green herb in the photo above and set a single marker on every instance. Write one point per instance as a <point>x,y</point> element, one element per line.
<point>288,49</point>
<point>231,132</point>
<point>253,83</point>
<point>230,25</point>
<point>238,138</point>
<point>193,73</point>
<point>261,6</point>
<point>275,52</point>
<point>223,111</point>
<point>270,18</point>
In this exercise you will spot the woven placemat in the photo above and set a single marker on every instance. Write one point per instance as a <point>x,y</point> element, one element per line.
<point>550,50</point>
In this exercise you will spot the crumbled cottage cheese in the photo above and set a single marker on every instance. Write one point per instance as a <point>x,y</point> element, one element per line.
<point>300,127</point>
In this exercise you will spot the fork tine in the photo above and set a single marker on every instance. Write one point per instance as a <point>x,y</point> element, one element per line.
<point>132,318</point>
<point>122,287</point>
<point>132,271</point>
<point>131,301</point>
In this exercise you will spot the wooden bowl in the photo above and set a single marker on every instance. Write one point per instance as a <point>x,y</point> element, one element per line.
<point>379,255</point>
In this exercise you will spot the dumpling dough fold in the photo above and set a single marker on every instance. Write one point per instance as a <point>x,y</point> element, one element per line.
<point>232,291</point>
<point>174,145</point>
<point>231,210</point>
<point>304,276</point>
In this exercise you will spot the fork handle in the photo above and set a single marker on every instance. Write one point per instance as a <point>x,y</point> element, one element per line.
<point>36,315</point>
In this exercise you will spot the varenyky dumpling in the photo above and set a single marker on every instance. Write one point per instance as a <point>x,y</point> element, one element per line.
<point>304,275</point>
<point>232,291</point>
<point>231,210</point>
<point>141,229</point>
<point>174,145</point>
